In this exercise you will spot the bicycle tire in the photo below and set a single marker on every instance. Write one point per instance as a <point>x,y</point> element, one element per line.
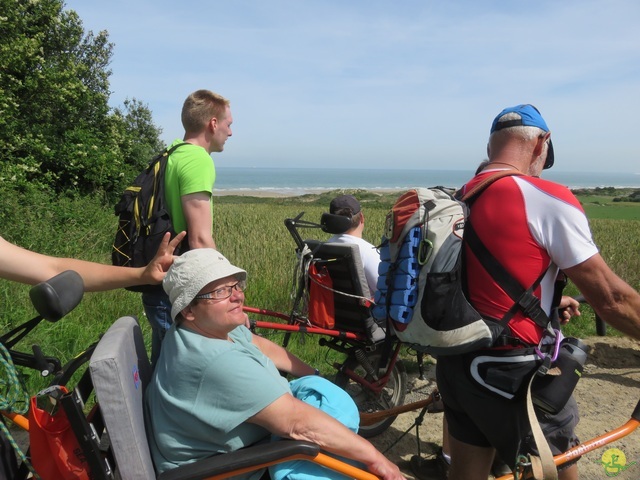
<point>392,395</point>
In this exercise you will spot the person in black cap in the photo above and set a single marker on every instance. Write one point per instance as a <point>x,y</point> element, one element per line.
<point>348,206</point>
<point>534,229</point>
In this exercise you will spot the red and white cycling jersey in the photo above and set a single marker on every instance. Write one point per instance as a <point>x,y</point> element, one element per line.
<point>527,223</point>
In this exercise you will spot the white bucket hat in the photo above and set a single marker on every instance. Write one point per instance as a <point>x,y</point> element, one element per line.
<point>192,271</point>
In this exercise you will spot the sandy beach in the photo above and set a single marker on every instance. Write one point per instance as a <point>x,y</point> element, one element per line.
<point>280,194</point>
<point>253,193</point>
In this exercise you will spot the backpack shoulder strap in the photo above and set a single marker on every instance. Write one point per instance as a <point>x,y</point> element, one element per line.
<point>480,187</point>
<point>523,299</point>
<point>169,151</point>
<point>166,153</point>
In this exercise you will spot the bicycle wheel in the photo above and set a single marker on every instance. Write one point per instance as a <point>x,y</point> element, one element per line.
<point>392,395</point>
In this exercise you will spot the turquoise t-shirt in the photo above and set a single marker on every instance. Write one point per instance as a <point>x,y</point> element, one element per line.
<point>190,169</point>
<point>202,392</point>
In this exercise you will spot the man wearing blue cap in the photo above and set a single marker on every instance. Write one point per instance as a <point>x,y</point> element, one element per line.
<point>535,229</point>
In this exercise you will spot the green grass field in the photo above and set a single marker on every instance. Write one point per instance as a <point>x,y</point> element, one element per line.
<point>602,207</point>
<point>251,233</point>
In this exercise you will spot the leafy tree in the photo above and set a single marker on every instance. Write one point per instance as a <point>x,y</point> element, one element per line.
<point>140,137</point>
<point>57,130</point>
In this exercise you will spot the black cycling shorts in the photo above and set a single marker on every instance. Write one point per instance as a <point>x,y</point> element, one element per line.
<point>478,417</point>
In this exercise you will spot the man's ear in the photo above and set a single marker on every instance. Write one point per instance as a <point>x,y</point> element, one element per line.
<point>213,124</point>
<point>537,150</point>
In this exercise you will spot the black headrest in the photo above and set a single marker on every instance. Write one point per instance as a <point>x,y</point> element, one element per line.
<point>335,224</point>
<point>56,297</point>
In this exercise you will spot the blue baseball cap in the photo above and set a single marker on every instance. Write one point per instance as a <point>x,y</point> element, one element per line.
<point>529,117</point>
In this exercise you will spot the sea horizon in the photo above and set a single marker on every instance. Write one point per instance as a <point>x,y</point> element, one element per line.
<point>300,181</point>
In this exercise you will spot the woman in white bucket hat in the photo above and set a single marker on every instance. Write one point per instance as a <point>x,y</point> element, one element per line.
<point>217,387</point>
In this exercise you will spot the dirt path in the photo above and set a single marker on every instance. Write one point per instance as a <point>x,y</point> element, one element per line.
<point>607,394</point>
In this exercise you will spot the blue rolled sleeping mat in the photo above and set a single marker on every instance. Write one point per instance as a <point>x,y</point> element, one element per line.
<point>398,281</point>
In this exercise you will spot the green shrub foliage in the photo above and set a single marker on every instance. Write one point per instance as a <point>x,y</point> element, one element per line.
<point>57,130</point>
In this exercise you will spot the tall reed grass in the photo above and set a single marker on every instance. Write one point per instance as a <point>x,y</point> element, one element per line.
<point>249,231</point>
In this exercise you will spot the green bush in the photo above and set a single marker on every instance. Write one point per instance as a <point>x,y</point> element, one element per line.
<point>57,130</point>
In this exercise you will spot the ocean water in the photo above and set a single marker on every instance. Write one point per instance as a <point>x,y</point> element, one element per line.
<point>298,181</point>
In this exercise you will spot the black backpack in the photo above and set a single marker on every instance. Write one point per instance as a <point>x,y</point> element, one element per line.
<point>143,219</point>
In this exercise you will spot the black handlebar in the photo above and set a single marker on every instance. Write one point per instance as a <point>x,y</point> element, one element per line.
<point>601,327</point>
<point>293,224</point>
<point>329,223</point>
<point>28,360</point>
<point>41,361</point>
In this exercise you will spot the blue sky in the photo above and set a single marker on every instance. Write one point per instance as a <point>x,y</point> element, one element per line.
<point>378,84</point>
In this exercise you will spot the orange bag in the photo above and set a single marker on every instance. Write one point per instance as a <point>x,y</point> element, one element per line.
<point>55,451</point>
<point>321,307</point>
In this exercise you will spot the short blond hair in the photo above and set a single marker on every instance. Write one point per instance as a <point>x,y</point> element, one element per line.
<point>200,107</point>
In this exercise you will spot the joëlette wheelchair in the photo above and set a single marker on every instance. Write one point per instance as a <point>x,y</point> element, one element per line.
<point>370,370</point>
<point>120,371</point>
<point>53,300</point>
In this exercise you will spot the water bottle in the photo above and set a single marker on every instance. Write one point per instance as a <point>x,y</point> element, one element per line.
<point>552,392</point>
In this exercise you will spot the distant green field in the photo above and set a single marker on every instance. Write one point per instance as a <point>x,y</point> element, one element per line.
<point>603,207</point>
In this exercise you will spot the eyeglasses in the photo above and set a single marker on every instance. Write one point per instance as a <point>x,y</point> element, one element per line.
<point>223,292</point>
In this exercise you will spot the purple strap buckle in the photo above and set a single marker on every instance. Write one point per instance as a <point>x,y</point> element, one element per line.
<point>556,347</point>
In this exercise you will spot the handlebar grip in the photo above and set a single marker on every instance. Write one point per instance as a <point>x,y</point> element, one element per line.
<point>601,326</point>
<point>41,362</point>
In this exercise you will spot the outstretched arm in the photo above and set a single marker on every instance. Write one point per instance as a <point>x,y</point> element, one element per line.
<point>615,301</point>
<point>25,266</point>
